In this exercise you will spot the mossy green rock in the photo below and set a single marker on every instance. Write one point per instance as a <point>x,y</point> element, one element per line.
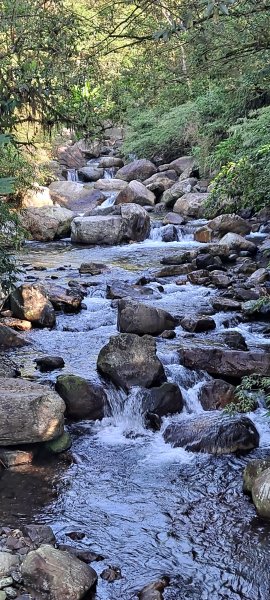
<point>84,399</point>
<point>252,471</point>
<point>59,445</point>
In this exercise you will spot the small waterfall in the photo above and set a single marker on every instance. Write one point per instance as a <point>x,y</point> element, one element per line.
<point>125,417</point>
<point>110,201</point>
<point>109,173</point>
<point>72,175</point>
<point>170,233</point>
<point>190,384</point>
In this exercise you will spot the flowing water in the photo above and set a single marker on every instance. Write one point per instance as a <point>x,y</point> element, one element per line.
<point>142,505</point>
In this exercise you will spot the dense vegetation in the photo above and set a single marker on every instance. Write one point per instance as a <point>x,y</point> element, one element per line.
<point>187,76</point>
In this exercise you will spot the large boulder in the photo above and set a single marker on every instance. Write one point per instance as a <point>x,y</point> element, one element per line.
<point>83,399</point>
<point>90,173</point>
<point>252,471</point>
<point>110,185</point>
<point>136,193</point>
<point>10,339</point>
<point>47,223</point>
<point>226,362</point>
<point>110,162</point>
<point>234,241</point>
<point>30,302</point>
<point>130,360</point>
<point>139,318</point>
<point>213,433</point>
<point>179,189</point>
<point>261,494</point>
<point>180,165</point>
<point>229,224</point>
<point>191,205</point>
<point>216,394</point>
<point>71,157</point>
<point>8,563</point>
<point>30,412</point>
<point>138,169</point>
<point>37,197</point>
<point>164,400</point>
<point>72,195</point>
<point>198,324</point>
<point>57,574</point>
<point>132,223</point>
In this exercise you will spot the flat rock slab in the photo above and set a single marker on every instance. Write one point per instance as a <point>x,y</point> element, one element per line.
<point>232,363</point>
<point>30,412</point>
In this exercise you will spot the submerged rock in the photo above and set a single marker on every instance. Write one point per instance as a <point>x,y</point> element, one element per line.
<point>213,433</point>
<point>30,302</point>
<point>129,360</point>
<point>50,363</point>
<point>83,399</point>
<point>30,412</point>
<point>139,318</point>
<point>58,574</point>
<point>198,324</point>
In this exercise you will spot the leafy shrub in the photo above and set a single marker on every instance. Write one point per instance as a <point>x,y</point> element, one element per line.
<point>247,392</point>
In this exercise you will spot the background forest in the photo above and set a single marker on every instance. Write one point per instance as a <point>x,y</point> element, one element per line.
<point>186,76</point>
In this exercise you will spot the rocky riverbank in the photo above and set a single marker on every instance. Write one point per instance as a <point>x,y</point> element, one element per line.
<point>147,339</point>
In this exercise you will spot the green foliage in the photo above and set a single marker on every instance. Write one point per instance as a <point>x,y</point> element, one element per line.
<point>246,394</point>
<point>244,177</point>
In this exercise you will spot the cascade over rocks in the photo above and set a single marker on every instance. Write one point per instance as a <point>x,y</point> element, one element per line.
<point>60,575</point>
<point>133,223</point>
<point>139,318</point>
<point>230,363</point>
<point>30,302</point>
<point>47,223</point>
<point>84,399</point>
<point>130,360</point>
<point>191,205</point>
<point>138,169</point>
<point>30,413</point>
<point>135,192</point>
<point>213,433</point>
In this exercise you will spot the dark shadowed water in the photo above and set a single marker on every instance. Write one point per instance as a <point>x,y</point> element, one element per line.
<point>144,506</point>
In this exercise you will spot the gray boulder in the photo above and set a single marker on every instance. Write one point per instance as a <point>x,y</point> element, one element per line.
<point>226,362</point>
<point>130,360</point>
<point>164,400</point>
<point>213,433</point>
<point>253,470</point>
<point>30,412</point>
<point>229,223</point>
<point>261,494</point>
<point>90,173</point>
<point>109,162</point>
<point>138,169</point>
<point>191,205</point>
<point>179,189</point>
<point>47,223</point>
<point>133,223</point>
<point>10,339</point>
<point>136,193</point>
<point>233,241</point>
<point>60,575</point>
<point>139,318</point>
